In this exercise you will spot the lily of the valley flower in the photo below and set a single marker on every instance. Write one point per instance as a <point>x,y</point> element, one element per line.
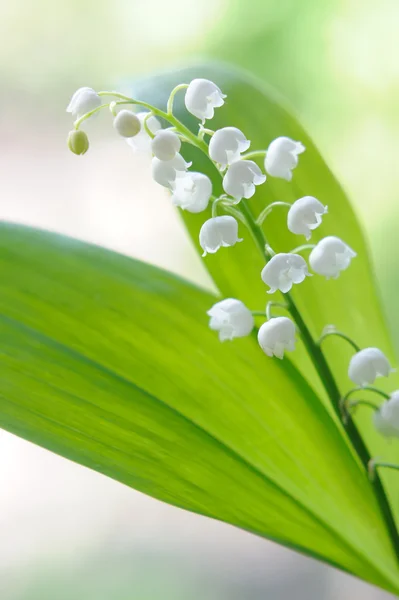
<point>165,145</point>
<point>282,157</point>
<point>331,256</point>
<point>83,101</point>
<point>127,124</point>
<point>217,232</point>
<point>231,318</point>
<point>78,142</point>
<point>202,97</point>
<point>165,171</point>
<point>283,270</point>
<point>305,215</point>
<point>226,145</point>
<point>192,192</point>
<point>386,418</point>
<point>142,141</point>
<point>241,178</point>
<point>368,364</point>
<point>277,335</point>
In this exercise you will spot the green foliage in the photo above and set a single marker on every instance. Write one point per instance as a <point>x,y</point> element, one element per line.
<point>110,362</point>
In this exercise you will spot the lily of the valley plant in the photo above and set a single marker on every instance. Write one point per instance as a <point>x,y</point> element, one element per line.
<point>270,402</point>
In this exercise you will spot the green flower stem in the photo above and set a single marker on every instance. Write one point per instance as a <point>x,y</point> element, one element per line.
<point>374,464</point>
<point>368,388</point>
<point>330,386</point>
<point>145,125</point>
<point>269,307</point>
<point>268,209</point>
<point>302,248</point>
<point>339,334</point>
<point>254,154</point>
<point>355,403</point>
<point>169,107</point>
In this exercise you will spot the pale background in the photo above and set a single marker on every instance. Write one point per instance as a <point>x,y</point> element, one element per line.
<point>67,532</point>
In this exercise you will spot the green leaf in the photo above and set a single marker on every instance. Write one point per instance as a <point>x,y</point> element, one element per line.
<point>109,362</point>
<point>351,302</point>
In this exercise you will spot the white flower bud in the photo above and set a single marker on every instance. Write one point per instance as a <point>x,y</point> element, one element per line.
<point>282,157</point>
<point>218,232</point>
<point>226,145</point>
<point>331,256</point>
<point>127,124</point>
<point>192,192</point>
<point>277,335</point>
<point>165,145</point>
<point>283,270</point>
<point>78,142</point>
<point>142,141</point>
<point>202,97</point>
<point>368,364</point>
<point>305,215</point>
<point>165,171</point>
<point>83,101</point>
<point>386,418</point>
<point>241,178</point>
<point>231,318</point>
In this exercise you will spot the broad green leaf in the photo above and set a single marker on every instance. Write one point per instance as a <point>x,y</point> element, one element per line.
<point>350,302</point>
<point>109,362</point>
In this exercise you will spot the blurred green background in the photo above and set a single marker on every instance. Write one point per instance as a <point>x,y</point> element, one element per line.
<point>68,532</point>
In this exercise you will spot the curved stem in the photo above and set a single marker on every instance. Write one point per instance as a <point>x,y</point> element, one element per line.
<point>269,307</point>
<point>374,464</point>
<point>268,209</point>
<point>145,125</point>
<point>254,154</point>
<point>303,247</point>
<point>341,335</point>
<point>169,107</point>
<point>355,403</point>
<point>369,388</point>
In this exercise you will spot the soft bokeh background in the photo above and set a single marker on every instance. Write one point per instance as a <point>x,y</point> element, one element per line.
<point>67,532</point>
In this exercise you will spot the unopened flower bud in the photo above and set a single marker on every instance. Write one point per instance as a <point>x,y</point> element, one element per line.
<point>226,145</point>
<point>84,100</point>
<point>368,364</point>
<point>283,270</point>
<point>218,232</point>
<point>282,157</point>
<point>277,335</point>
<point>78,142</point>
<point>241,178</point>
<point>165,145</point>
<point>231,318</point>
<point>386,418</point>
<point>192,192</point>
<point>305,215</point>
<point>127,124</point>
<point>202,97</point>
<point>165,172</point>
<point>331,256</point>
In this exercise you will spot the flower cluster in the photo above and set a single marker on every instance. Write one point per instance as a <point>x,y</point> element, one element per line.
<point>228,149</point>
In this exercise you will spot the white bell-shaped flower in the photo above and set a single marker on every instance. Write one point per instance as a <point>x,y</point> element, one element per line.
<point>231,318</point>
<point>305,215</point>
<point>165,145</point>
<point>277,335</point>
<point>368,364</point>
<point>83,101</point>
<point>331,256</point>
<point>202,97</point>
<point>386,418</point>
<point>226,145</point>
<point>241,178</point>
<point>127,123</point>
<point>165,171</point>
<point>192,192</point>
<point>282,157</point>
<point>283,270</point>
<point>142,141</point>
<point>217,232</point>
